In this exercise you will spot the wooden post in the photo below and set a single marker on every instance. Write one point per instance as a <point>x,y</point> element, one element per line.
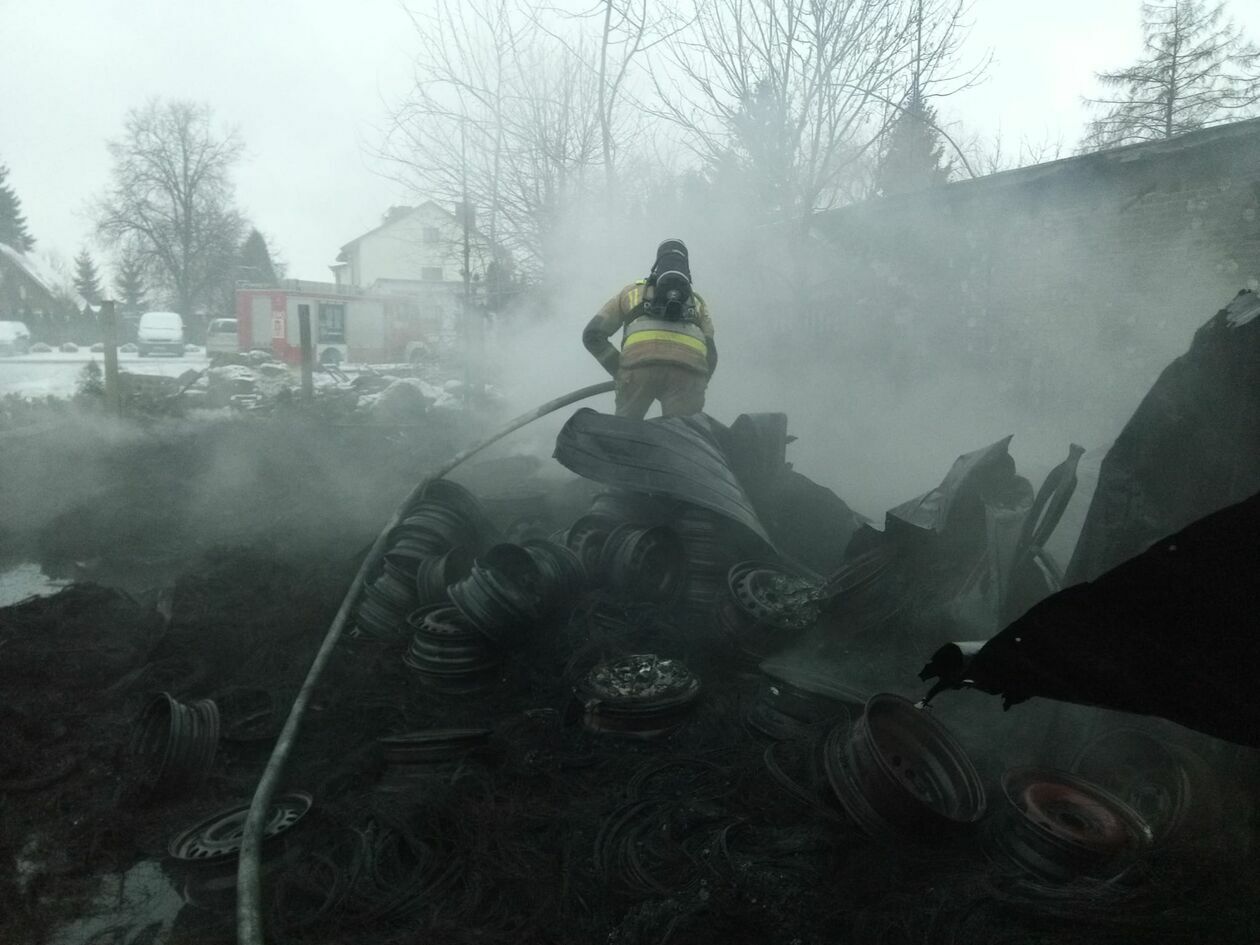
<point>109,338</point>
<point>308,353</point>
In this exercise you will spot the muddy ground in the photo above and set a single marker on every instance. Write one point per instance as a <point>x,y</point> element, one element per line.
<point>212,557</point>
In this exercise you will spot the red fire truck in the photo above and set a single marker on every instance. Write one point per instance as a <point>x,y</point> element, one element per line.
<point>346,324</point>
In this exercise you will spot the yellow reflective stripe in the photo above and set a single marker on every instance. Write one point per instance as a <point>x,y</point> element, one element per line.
<point>673,337</point>
<point>633,297</point>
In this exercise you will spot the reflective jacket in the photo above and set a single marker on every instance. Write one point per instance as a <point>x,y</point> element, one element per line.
<point>647,339</point>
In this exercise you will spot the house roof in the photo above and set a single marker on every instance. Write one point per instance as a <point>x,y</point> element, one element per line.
<point>389,221</point>
<point>35,271</point>
<point>28,266</point>
<point>1020,176</point>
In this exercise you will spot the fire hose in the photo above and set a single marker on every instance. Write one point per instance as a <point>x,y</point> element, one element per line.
<point>249,930</point>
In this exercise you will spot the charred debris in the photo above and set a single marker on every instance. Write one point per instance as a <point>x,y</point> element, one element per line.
<point>678,700</point>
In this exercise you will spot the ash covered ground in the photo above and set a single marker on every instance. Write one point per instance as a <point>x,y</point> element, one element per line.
<point>208,561</point>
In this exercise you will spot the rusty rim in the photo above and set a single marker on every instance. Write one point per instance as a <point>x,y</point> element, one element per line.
<point>899,772</point>
<point>1057,826</point>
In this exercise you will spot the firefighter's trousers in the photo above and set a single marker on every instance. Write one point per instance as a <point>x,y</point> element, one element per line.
<point>680,390</point>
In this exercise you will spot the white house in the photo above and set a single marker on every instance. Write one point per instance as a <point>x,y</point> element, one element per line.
<point>25,290</point>
<point>418,252</point>
<point>413,245</point>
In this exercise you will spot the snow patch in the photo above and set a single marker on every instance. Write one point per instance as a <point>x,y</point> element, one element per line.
<point>26,580</point>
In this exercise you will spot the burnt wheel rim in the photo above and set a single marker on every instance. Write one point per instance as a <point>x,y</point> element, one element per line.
<point>1057,826</point>
<point>899,772</point>
<point>218,837</point>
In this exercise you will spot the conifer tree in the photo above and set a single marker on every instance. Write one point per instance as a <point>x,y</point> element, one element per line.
<point>255,265</point>
<point>129,284</point>
<point>13,230</point>
<point>913,157</point>
<point>1196,70</point>
<point>87,281</point>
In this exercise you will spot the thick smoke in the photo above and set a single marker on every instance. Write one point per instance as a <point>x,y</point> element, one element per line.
<point>874,436</point>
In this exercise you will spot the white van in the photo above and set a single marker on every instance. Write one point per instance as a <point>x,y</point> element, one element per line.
<point>160,331</point>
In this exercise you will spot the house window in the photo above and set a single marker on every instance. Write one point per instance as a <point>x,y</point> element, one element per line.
<point>431,273</point>
<point>332,322</point>
<point>432,234</point>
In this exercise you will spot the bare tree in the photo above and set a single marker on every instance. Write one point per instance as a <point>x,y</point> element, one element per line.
<point>460,89</point>
<point>1196,71</point>
<point>170,202</point>
<point>799,91</point>
<point>626,31</point>
<point>621,39</point>
<point>554,143</point>
<point>500,116</point>
<point>990,155</point>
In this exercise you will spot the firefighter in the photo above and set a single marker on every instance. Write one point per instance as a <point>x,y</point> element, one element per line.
<point>667,349</point>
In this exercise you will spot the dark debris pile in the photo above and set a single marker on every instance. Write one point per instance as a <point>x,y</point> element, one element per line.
<point>76,670</point>
<point>621,771</point>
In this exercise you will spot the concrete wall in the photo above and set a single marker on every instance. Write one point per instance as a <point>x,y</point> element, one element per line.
<point>1102,264</point>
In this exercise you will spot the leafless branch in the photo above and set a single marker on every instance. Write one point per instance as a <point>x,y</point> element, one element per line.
<point>170,200</point>
<point>1196,71</point>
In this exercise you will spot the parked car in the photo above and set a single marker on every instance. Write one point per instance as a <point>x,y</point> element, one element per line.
<point>221,337</point>
<point>160,331</point>
<point>15,338</point>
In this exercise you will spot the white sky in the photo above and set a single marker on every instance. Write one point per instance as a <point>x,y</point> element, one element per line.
<point>309,83</point>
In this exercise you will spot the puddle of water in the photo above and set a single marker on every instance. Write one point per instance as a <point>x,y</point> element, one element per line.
<point>138,907</point>
<point>20,581</point>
